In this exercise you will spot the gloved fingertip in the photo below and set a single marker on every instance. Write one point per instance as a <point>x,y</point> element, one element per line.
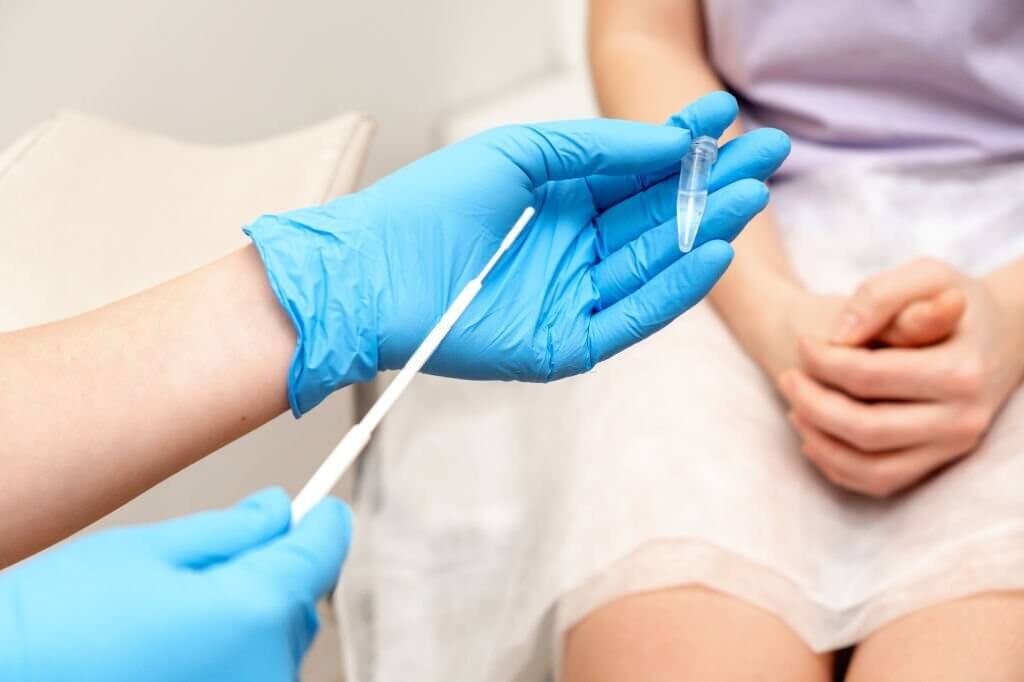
<point>771,145</point>
<point>714,255</point>
<point>751,194</point>
<point>273,504</point>
<point>270,498</point>
<point>205,538</point>
<point>312,553</point>
<point>333,514</point>
<point>723,100</point>
<point>708,115</point>
<point>776,140</point>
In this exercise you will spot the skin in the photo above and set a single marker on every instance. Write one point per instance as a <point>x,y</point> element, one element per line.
<point>693,634</point>
<point>220,327</point>
<point>646,56</point>
<point>979,639</point>
<point>879,420</point>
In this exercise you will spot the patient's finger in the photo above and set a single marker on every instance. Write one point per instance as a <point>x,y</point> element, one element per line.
<point>878,301</point>
<point>923,323</point>
<point>816,446</point>
<point>884,373</point>
<point>754,155</point>
<point>632,266</point>
<point>665,297</point>
<point>876,475</point>
<point>876,427</point>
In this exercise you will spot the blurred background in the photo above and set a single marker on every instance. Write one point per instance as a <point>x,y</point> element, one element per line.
<point>223,72</point>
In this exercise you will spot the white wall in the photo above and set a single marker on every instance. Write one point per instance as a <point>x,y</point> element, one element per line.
<point>227,70</point>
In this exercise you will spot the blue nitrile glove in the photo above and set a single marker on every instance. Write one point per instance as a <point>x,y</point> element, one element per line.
<point>224,595</point>
<point>365,277</point>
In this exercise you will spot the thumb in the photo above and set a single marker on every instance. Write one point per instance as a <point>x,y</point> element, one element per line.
<point>710,115</point>
<point>879,299</point>
<point>309,557</point>
<point>211,537</point>
<point>923,323</point>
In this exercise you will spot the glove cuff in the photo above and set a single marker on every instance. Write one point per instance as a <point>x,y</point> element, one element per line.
<point>319,275</point>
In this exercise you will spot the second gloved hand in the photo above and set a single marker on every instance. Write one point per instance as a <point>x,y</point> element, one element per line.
<point>225,595</point>
<point>365,277</point>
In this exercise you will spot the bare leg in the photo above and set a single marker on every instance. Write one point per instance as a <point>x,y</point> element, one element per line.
<point>980,639</point>
<point>687,633</point>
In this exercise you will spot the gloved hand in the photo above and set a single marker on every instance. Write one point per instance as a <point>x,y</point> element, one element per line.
<point>365,277</point>
<point>224,595</point>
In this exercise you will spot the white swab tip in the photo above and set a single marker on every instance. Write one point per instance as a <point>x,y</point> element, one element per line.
<point>517,229</point>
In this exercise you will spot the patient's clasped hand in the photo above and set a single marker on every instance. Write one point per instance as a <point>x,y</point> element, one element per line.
<point>230,595</point>
<point>877,420</point>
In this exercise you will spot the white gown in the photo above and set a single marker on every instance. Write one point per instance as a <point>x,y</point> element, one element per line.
<point>491,517</point>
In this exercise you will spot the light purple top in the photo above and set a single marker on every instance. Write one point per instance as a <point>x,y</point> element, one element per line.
<point>895,81</point>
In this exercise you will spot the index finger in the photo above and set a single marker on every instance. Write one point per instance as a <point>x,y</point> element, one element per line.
<point>879,374</point>
<point>575,149</point>
<point>710,115</point>
<point>877,475</point>
<point>876,427</point>
<point>309,556</point>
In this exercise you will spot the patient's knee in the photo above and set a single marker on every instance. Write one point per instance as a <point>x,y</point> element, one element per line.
<point>686,633</point>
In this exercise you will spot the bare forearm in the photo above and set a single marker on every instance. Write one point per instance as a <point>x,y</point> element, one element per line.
<point>648,57</point>
<point>98,408</point>
<point>757,287</point>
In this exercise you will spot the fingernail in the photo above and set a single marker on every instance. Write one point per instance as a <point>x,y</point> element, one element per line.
<point>848,324</point>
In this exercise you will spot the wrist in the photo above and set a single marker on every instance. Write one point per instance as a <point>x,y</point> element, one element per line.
<point>1008,292</point>
<point>319,275</point>
<point>1006,287</point>
<point>765,324</point>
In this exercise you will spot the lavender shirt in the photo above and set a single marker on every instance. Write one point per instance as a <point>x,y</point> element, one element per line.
<point>897,82</point>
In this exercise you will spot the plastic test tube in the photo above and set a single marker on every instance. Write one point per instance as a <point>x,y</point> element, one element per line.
<point>693,189</point>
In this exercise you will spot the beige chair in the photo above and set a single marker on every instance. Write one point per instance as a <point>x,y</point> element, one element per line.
<point>91,211</point>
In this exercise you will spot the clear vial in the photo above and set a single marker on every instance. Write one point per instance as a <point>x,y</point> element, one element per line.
<point>692,196</point>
